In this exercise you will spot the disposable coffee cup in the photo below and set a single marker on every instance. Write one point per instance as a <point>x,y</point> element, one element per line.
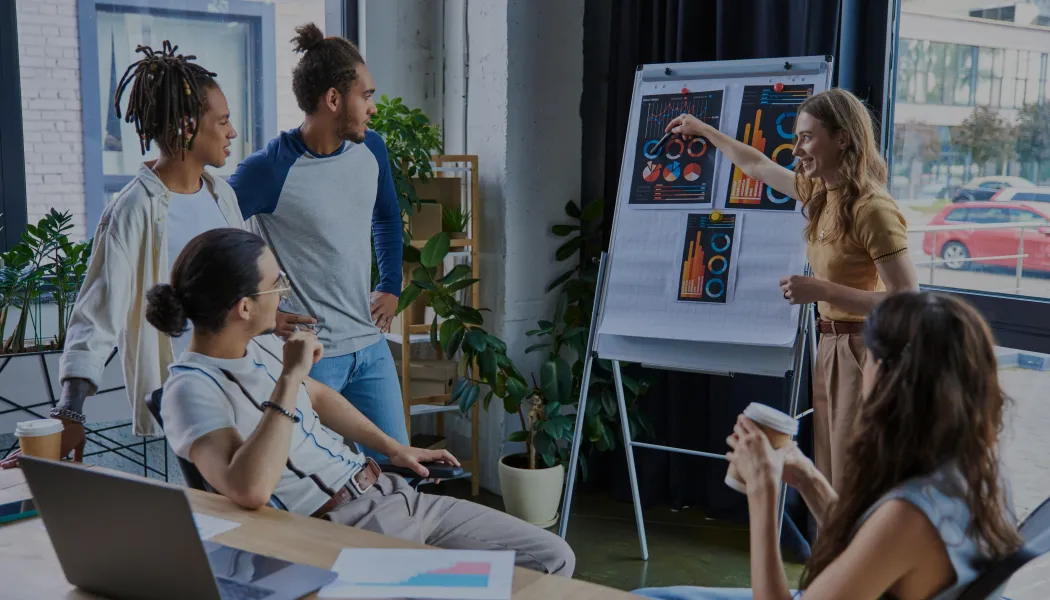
<point>779,427</point>
<point>41,438</point>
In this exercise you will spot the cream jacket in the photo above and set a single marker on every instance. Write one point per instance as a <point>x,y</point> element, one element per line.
<point>130,256</point>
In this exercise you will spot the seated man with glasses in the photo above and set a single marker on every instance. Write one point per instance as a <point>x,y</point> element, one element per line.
<point>244,410</point>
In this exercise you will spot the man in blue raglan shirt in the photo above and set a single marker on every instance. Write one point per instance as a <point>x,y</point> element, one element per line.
<point>316,193</point>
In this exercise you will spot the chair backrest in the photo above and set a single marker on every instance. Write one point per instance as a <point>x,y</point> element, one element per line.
<point>1035,530</point>
<point>194,479</point>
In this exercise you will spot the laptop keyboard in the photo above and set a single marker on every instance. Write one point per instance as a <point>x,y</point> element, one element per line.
<point>235,590</point>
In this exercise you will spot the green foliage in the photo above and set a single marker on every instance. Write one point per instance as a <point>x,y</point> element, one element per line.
<point>987,136</point>
<point>44,265</point>
<point>1033,130</point>
<point>454,219</point>
<point>410,141</point>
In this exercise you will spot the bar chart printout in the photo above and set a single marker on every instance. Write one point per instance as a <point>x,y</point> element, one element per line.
<point>405,573</point>
<point>679,171</point>
<point>707,253</point>
<point>767,122</point>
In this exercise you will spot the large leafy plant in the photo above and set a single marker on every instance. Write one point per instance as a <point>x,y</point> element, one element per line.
<point>45,265</point>
<point>567,332</point>
<point>410,139</point>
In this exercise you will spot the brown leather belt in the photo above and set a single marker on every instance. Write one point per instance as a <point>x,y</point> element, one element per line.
<point>364,479</point>
<point>839,327</point>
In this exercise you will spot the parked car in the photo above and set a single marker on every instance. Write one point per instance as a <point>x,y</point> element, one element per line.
<point>983,188</point>
<point>1024,194</point>
<point>958,247</point>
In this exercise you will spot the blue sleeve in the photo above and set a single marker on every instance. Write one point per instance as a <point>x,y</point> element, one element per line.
<point>260,177</point>
<point>386,221</point>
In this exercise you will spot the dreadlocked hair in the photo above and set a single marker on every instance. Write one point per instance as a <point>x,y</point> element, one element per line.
<point>166,99</point>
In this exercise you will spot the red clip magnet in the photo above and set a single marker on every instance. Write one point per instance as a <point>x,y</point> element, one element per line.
<point>778,87</point>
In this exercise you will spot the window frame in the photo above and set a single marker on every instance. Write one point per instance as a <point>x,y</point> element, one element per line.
<point>13,208</point>
<point>260,16</point>
<point>1018,322</point>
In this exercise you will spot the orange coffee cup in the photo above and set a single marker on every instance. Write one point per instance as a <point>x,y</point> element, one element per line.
<point>41,438</point>
<point>779,427</point>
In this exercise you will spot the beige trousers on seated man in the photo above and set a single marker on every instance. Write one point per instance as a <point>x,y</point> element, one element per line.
<point>394,508</point>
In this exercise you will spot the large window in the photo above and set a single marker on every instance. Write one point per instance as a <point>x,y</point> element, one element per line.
<point>71,53</point>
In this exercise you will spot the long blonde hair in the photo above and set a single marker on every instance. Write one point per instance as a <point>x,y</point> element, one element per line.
<point>862,170</point>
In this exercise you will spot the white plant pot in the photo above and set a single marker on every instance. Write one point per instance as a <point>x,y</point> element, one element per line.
<point>29,384</point>
<point>532,495</point>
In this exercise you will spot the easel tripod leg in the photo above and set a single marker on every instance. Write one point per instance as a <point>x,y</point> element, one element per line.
<point>629,451</point>
<point>574,453</point>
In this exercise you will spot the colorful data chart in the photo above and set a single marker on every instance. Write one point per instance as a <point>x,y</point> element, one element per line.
<point>767,122</point>
<point>678,171</point>
<point>706,258</point>
<point>403,573</point>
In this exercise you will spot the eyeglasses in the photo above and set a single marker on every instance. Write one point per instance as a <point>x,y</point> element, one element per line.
<point>284,288</point>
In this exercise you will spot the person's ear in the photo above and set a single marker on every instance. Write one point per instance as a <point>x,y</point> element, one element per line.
<point>243,309</point>
<point>332,99</point>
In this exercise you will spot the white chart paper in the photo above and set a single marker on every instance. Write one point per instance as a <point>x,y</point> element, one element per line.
<point>209,526</point>
<point>400,573</point>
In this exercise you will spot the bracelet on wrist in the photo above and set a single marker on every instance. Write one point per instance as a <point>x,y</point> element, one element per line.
<point>284,411</point>
<point>67,414</point>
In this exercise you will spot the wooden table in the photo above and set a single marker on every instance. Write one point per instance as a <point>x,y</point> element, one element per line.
<point>29,567</point>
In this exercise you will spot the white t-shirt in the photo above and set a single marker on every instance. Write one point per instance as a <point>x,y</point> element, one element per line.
<point>199,398</point>
<point>190,215</point>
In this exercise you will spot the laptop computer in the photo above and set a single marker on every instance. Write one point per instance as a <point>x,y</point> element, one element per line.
<point>129,538</point>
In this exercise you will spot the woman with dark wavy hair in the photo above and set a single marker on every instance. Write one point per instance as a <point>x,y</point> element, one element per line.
<point>921,508</point>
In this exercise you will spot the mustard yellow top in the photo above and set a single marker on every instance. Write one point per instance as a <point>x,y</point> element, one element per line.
<point>879,234</point>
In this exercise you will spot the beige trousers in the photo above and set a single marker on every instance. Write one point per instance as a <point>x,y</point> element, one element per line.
<point>393,508</point>
<point>837,389</point>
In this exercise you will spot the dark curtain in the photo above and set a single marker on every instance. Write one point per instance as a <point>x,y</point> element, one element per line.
<point>688,410</point>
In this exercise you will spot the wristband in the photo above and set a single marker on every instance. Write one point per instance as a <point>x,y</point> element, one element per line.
<point>69,415</point>
<point>280,409</point>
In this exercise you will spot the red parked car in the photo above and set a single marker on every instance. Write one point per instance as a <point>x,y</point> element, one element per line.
<point>956,247</point>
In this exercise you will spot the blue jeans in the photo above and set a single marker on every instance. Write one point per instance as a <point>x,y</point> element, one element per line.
<point>368,379</point>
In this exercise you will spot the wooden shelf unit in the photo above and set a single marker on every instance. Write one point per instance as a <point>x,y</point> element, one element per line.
<point>465,167</point>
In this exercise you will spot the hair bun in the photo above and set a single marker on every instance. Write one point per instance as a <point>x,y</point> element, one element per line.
<point>164,310</point>
<point>308,36</point>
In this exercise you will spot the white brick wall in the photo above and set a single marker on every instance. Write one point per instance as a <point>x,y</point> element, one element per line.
<point>49,68</point>
<point>49,61</point>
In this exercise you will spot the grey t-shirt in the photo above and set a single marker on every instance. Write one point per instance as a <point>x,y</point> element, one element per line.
<point>200,398</point>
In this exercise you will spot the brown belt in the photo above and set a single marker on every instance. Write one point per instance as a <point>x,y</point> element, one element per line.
<point>839,327</point>
<point>365,479</point>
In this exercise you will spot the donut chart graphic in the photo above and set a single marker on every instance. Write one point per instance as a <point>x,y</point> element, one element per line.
<point>722,266</point>
<point>789,148</point>
<point>691,172</point>
<point>649,150</point>
<point>719,288</point>
<point>775,197</point>
<point>675,147</point>
<point>651,172</point>
<point>720,238</point>
<point>790,134</point>
<point>672,172</point>
<point>692,150</point>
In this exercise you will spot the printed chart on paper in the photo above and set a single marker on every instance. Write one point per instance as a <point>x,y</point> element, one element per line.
<point>767,122</point>
<point>681,171</point>
<point>707,252</point>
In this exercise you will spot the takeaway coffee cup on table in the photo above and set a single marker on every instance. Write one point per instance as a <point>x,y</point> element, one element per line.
<point>779,428</point>
<point>41,438</point>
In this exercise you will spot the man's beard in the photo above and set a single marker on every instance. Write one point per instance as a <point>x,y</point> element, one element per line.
<point>348,130</point>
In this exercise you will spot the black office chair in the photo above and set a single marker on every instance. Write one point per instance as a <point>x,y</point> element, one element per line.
<point>1036,533</point>
<point>195,480</point>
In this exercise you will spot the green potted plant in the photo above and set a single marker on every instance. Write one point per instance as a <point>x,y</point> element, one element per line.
<point>39,282</point>
<point>454,221</point>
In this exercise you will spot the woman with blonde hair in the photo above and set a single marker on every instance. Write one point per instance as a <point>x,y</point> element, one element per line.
<point>856,242</point>
<point>921,508</point>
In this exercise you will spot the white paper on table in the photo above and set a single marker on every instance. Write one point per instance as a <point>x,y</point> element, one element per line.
<point>405,573</point>
<point>209,526</point>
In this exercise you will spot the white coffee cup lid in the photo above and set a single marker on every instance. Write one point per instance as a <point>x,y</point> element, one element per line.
<point>38,428</point>
<point>771,417</point>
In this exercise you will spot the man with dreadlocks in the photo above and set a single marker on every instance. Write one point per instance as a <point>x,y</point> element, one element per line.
<point>177,105</point>
<point>316,193</point>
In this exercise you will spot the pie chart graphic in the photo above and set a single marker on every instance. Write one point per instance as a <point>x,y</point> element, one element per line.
<point>672,171</point>
<point>692,172</point>
<point>651,172</point>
